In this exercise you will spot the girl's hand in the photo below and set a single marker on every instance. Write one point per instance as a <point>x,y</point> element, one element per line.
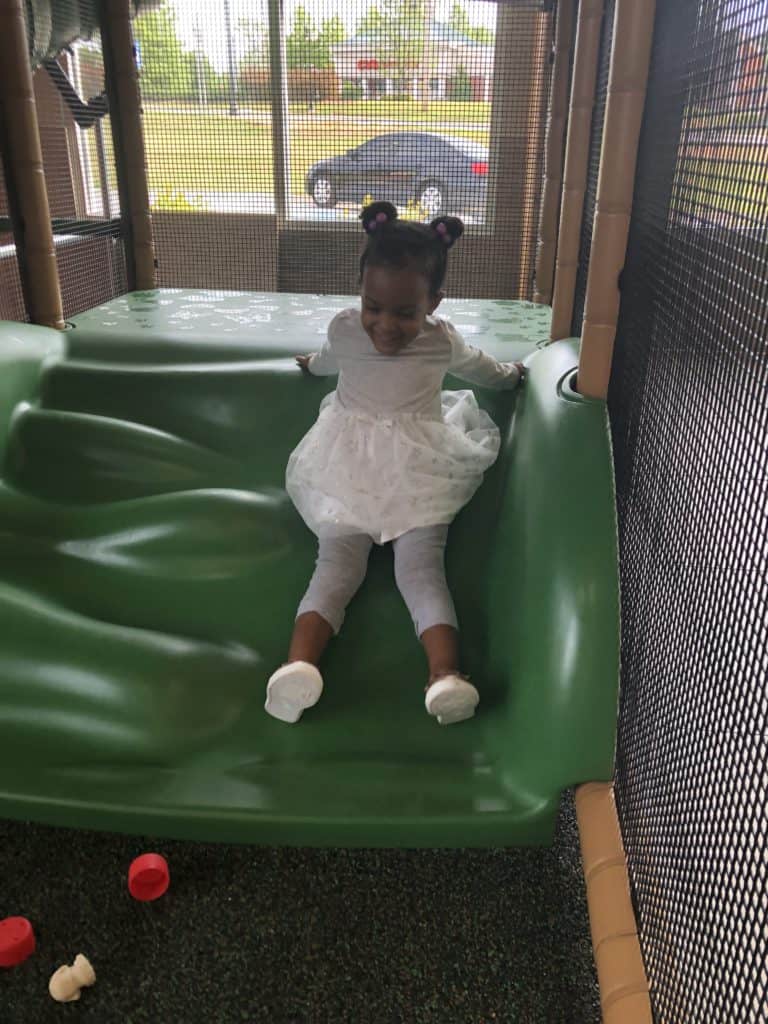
<point>522,369</point>
<point>303,363</point>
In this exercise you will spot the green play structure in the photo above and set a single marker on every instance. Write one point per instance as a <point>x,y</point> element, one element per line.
<point>181,183</point>
<point>152,564</point>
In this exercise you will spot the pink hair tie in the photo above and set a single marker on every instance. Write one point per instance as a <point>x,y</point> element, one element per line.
<point>442,233</point>
<point>380,218</point>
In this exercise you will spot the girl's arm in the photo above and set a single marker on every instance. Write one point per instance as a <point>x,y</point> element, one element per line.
<point>319,364</point>
<point>324,362</point>
<point>470,364</point>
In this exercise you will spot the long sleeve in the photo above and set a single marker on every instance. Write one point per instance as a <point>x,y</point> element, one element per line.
<point>323,363</point>
<point>477,367</point>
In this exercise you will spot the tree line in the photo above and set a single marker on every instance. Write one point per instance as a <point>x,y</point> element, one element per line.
<point>171,71</point>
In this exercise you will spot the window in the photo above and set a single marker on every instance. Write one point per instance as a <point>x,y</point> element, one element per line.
<point>259,119</point>
<point>417,67</point>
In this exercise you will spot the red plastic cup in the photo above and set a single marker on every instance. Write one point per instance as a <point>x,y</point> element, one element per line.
<point>148,877</point>
<point>17,941</point>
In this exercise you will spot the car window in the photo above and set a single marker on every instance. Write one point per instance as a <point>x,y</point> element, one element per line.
<point>471,149</point>
<point>429,146</point>
<point>376,147</point>
<point>414,143</point>
<point>442,148</point>
<point>367,148</point>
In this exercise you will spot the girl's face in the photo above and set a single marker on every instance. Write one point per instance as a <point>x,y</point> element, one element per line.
<point>396,302</point>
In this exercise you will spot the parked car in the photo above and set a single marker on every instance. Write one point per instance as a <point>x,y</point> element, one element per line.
<point>442,173</point>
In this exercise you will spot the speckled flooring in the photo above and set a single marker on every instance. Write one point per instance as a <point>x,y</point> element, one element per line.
<point>298,936</point>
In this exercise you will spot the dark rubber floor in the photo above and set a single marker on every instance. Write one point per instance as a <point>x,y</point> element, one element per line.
<point>301,936</point>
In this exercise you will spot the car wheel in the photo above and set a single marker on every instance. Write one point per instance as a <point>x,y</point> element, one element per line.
<point>323,192</point>
<point>431,198</point>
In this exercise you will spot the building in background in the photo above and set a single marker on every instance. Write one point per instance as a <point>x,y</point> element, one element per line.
<point>460,68</point>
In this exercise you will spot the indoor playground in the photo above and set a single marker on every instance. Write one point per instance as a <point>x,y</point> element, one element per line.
<point>180,197</point>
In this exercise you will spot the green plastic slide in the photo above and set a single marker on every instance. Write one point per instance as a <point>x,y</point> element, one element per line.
<point>152,564</point>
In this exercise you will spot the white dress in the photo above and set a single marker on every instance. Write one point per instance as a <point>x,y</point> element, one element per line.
<point>389,451</point>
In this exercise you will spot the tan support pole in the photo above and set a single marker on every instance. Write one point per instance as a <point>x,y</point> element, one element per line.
<point>553,155</point>
<point>25,177</point>
<point>630,58</point>
<point>122,82</point>
<point>518,130</point>
<point>620,970</point>
<point>576,164</point>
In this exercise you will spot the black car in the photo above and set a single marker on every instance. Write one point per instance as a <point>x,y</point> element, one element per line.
<point>442,173</point>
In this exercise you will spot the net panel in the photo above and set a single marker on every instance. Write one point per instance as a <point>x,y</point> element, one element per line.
<point>11,296</point>
<point>436,107</point>
<point>593,167</point>
<point>690,424</point>
<point>80,177</point>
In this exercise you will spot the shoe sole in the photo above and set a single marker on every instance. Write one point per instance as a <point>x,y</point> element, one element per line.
<point>451,700</point>
<point>291,690</point>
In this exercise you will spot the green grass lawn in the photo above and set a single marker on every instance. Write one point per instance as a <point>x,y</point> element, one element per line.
<point>443,112</point>
<point>730,189</point>
<point>205,150</point>
<point>219,153</point>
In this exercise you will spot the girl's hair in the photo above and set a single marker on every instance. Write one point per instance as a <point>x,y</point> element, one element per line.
<point>401,243</point>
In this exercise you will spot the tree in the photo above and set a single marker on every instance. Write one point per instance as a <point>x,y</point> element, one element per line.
<point>398,31</point>
<point>372,23</point>
<point>167,70</point>
<point>300,45</point>
<point>332,32</point>
<point>305,47</point>
<point>461,86</point>
<point>482,35</point>
<point>459,22</point>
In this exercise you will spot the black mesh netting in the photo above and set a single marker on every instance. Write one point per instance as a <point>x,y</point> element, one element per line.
<point>689,409</point>
<point>264,139</point>
<point>11,296</point>
<point>80,177</point>
<point>78,167</point>
<point>593,168</point>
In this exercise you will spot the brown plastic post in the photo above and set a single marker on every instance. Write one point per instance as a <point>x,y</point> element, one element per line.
<point>537,99</point>
<point>122,82</point>
<point>25,177</point>
<point>620,970</point>
<point>630,58</point>
<point>517,128</point>
<point>585,60</point>
<point>553,155</point>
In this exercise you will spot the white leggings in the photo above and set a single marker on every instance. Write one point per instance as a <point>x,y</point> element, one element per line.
<point>419,573</point>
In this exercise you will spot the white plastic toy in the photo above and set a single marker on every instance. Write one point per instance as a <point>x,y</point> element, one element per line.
<point>66,982</point>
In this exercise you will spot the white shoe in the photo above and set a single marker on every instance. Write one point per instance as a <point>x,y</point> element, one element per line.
<point>451,699</point>
<point>291,689</point>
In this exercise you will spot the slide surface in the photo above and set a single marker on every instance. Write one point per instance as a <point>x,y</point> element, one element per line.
<point>151,566</point>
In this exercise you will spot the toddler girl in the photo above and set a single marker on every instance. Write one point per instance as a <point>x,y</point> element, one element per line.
<point>390,458</point>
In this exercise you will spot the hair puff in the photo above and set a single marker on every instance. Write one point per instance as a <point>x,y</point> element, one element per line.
<point>448,230</point>
<point>376,214</point>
